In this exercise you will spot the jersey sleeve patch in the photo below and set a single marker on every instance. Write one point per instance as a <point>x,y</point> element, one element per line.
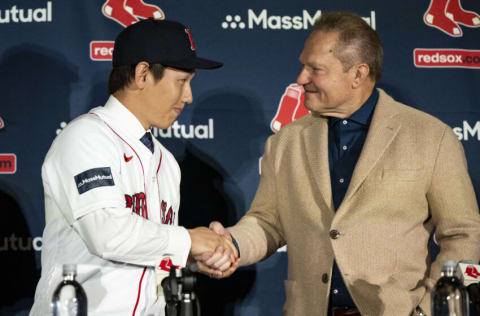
<point>94,178</point>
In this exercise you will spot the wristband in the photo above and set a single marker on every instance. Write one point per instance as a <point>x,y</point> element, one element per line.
<point>236,245</point>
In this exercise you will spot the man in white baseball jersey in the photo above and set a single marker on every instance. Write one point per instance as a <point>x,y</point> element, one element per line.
<point>112,191</point>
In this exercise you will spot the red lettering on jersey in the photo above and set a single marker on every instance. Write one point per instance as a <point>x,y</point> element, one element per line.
<point>128,200</point>
<point>138,203</point>
<point>167,217</point>
<point>163,207</point>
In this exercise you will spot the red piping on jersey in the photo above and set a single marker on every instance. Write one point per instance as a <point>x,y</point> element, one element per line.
<point>139,290</point>
<point>146,207</point>
<point>158,168</point>
<point>160,162</point>
<point>156,175</point>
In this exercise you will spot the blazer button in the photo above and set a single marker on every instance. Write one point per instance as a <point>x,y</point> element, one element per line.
<point>325,278</point>
<point>334,234</point>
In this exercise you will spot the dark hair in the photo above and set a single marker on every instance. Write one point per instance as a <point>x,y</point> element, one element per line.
<point>357,41</point>
<point>121,76</point>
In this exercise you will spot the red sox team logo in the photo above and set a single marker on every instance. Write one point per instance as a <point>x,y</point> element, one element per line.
<point>127,12</point>
<point>446,15</point>
<point>166,263</point>
<point>472,272</point>
<point>290,107</point>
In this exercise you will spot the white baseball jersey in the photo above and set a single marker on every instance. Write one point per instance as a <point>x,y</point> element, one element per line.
<point>112,208</point>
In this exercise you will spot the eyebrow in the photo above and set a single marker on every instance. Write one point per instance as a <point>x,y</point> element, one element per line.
<point>314,64</point>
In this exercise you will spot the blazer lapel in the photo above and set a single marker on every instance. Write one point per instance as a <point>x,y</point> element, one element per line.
<point>315,138</point>
<point>383,129</point>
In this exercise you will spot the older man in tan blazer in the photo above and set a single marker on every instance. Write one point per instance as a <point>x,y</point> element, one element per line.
<point>410,179</point>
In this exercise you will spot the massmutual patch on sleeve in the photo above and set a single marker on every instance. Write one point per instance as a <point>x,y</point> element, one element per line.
<point>94,178</point>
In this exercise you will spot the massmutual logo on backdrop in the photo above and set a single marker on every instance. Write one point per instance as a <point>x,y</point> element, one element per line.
<point>26,15</point>
<point>191,131</point>
<point>467,131</point>
<point>177,130</point>
<point>269,21</point>
<point>448,16</point>
<point>20,243</point>
<point>125,13</point>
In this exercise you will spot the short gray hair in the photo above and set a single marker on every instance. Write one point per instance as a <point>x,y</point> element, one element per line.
<point>357,41</point>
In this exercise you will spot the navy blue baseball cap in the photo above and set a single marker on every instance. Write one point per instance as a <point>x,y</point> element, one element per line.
<point>164,42</point>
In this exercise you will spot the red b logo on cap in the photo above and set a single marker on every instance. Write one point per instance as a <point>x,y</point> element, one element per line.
<point>190,38</point>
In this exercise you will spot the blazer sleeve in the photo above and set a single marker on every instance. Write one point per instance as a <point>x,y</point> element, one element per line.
<point>259,233</point>
<point>453,207</point>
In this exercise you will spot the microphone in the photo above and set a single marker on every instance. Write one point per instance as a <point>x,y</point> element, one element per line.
<point>469,275</point>
<point>178,289</point>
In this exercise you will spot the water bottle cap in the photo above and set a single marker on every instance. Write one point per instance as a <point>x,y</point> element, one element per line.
<point>69,268</point>
<point>449,264</point>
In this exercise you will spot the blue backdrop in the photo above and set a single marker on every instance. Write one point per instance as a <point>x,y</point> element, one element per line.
<point>54,65</point>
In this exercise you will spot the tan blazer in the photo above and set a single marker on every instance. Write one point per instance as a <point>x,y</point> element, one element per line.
<point>410,178</point>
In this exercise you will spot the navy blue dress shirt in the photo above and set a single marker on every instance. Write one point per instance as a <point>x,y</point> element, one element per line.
<point>345,142</point>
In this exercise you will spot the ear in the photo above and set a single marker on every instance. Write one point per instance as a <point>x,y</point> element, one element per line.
<point>361,74</point>
<point>141,71</point>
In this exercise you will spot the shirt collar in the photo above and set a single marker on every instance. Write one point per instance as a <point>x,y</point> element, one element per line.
<point>120,116</point>
<point>363,115</point>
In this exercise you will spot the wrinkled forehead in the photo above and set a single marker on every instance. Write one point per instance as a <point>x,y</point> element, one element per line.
<point>321,40</point>
<point>319,43</point>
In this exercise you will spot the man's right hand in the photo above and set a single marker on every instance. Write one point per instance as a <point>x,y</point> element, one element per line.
<point>215,259</point>
<point>220,252</point>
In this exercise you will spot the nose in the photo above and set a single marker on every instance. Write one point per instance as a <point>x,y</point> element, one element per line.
<point>303,77</point>
<point>187,94</point>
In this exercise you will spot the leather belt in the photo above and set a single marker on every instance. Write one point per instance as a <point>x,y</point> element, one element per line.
<point>345,311</point>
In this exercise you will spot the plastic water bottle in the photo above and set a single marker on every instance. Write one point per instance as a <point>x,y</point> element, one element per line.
<point>69,298</point>
<point>449,297</point>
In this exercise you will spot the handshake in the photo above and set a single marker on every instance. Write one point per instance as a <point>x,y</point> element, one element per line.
<point>213,251</point>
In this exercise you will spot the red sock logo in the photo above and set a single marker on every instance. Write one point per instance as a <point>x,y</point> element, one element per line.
<point>290,107</point>
<point>166,263</point>
<point>446,15</point>
<point>301,110</point>
<point>127,12</point>
<point>461,16</point>
<point>472,272</point>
